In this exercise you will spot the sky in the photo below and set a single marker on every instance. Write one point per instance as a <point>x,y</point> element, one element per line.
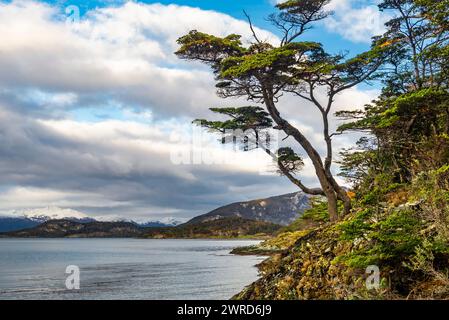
<point>96,110</point>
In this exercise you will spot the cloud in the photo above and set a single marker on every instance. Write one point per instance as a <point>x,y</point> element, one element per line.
<point>357,21</point>
<point>117,167</point>
<point>124,52</point>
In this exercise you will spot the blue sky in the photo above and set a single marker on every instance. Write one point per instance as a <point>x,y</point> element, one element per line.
<point>92,112</point>
<point>257,9</point>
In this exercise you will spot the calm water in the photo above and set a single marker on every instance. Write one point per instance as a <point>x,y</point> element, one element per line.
<point>124,268</point>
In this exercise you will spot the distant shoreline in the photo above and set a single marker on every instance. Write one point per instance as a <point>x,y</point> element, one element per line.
<point>226,228</point>
<point>116,238</point>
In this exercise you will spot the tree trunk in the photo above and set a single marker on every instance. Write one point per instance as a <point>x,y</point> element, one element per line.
<point>332,207</point>
<point>325,181</point>
<point>342,195</point>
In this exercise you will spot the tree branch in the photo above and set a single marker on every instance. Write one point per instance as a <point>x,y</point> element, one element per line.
<point>251,27</point>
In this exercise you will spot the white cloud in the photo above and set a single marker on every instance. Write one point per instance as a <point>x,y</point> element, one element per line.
<point>126,52</point>
<point>18,198</point>
<point>357,21</point>
<point>118,166</point>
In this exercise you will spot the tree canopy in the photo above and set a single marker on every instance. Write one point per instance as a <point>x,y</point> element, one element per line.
<point>262,72</point>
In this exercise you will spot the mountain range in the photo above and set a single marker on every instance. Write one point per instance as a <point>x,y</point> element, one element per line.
<point>232,227</point>
<point>264,215</point>
<point>30,218</point>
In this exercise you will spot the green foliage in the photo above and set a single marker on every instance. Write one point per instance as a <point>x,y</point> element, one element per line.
<point>357,227</point>
<point>423,257</point>
<point>391,239</point>
<point>360,259</point>
<point>208,48</point>
<point>435,10</point>
<point>302,6</point>
<point>245,126</point>
<point>318,210</point>
<point>234,67</point>
<point>426,104</point>
<point>398,234</point>
<point>243,118</point>
<point>381,185</point>
<point>289,160</point>
<point>311,217</point>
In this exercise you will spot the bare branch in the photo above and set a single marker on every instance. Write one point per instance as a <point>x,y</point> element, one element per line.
<point>251,27</point>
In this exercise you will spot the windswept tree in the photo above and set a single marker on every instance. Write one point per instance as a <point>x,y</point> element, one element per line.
<point>408,124</point>
<point>262,72</point>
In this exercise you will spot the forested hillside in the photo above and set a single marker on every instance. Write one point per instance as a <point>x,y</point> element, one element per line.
<point>400,176</point>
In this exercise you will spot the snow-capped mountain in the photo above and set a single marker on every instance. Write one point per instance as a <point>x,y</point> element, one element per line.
<point>280,210</point>
<point>144,222</point>
<point>164,222</point>
<point>29,218</point>
<point>50,213</point>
